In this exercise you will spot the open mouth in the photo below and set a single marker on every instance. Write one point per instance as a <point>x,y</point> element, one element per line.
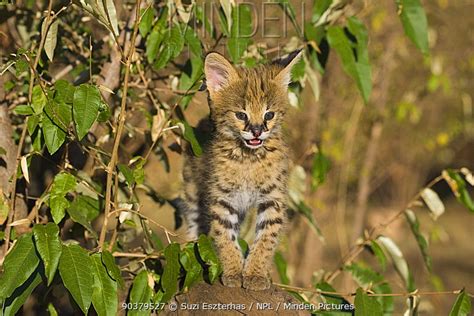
<point>253,143</point>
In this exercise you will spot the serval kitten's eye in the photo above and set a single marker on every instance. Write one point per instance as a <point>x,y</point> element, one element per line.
<point>241,116</point>
<point>269,115</point>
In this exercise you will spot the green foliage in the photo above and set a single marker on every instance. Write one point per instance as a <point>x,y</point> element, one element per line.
<point>191,265</point>
<point>85,107</point>
<point>420,239</point>
<point>240,32</point>
<point>104,293</point>
<point>75,270</point>
<point>462,305</point>
<point>355,64</point>
<point>209,257</point>
<point>413,18</point>
<point>169,279</point>
<point>22,255</point>
<point>366,305</point>
<point>141,293</point>
<point>321,165</point>
<point>49,247</point>
<point>63,184</point>
<point>458,186</point>
<point>281,266</point>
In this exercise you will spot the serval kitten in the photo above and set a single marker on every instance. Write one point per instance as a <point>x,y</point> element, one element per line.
<point>244,165</point>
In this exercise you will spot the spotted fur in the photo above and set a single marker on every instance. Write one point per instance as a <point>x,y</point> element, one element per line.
<point>244,165</point>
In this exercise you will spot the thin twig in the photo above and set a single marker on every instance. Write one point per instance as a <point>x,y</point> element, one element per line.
<point>137,255</point>
<point>123,111</point>
<point>166,230</point>
<point>406,294</point>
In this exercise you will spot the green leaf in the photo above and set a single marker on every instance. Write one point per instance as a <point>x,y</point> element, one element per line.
<point>140,294</point>
<point>193,41</point>
<point>462,305</point>
<point>54,136</point>
<point>319,8</point>
<point>75,270</point>
<point>104,293</point>
<point>333,299</point>
<point>58,205</point>
<point>87,206</point>
<point>83,210</point>
<point>379,254</point>
<point>175,41</point>
<point>209,257</point>
<point>290,12</point>
<point>63,183</point>
<point>241,31</point>
<point>321,165</point>
<point>13,304</point>
<point>169,279</point>
<point>18,266</point>
<point>420,239</point>
<point>460,190</point>
<point>146,21</point>
<point>114,272</point>
<point>163,57</point>
<point>59,112</point>
<point>127,173</point>
<point>64,91</point>
<point>191,265</point>
<point>153,43</point>
<point>2,151</point>
<point>202,17</point>
<point>413,18</point>
<point>307,212</point>
<point>191,138</point>
<point>49,247</point>
<point>363,276</point>
<point>104,112</point>
<point>51,38</point>
<point>38,99</point>
<point>21,66</point>
<point>32,122</point>
<point>281,266</point>
<point>23,110</point>
<point>85,107</point>
<point>366,305</point>
<point>358,67</point>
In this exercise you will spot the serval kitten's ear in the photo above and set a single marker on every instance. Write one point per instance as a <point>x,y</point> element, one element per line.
<point>219,72</point>
<point>284,76</point>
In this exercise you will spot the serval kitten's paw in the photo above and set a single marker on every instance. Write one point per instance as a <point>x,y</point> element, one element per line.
<point>256,282</point>
<point>232,280</point>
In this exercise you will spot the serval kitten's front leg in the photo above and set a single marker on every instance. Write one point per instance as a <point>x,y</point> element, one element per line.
<point>224,230</point>
<point>270,219</point>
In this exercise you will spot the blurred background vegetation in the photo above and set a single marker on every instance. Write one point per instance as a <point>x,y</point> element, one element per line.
<point>355,163</point>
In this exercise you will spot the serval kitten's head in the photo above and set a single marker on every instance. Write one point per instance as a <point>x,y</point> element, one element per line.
<point>248,104</point>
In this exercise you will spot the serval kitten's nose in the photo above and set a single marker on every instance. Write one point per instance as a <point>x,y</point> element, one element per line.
<point>256,130</point>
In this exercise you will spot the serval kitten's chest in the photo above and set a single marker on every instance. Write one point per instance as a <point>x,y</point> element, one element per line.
<point>248,183</point>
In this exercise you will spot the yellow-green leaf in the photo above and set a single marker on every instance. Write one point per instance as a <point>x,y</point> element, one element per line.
<point>104,293</point>
<point>75,270</point>
<point>49,247</point>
